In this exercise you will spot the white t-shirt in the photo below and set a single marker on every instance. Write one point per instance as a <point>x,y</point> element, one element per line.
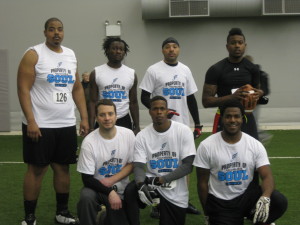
<point>163,153</point>
<point>174,83</point>
<point>115,84</point>
<point>51,93</point>
<point>104,158</point>
<point>231,165</point>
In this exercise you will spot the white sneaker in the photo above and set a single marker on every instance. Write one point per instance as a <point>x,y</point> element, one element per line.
<point>29,220</point>
<point>25,223</point>
<point>65,217</point>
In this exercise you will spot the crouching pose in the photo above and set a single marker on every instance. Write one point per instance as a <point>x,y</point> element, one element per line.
<point>105,162</point>
<point>166,148</point>
<point>225,164</point>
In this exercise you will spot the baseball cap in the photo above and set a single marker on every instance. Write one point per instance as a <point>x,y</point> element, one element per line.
<point>169,40</point>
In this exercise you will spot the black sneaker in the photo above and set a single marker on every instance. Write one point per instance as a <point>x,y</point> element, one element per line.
<point>65,217</point>
<point>155,212</point>
<point>29,220</point>
<point>192,209</point>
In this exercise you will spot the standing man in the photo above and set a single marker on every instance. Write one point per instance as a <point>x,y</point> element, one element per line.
<point>117,82</point>
<point>226,79</point>
<point>173,80</point>
<point>166,149</point>
<point>225,163</point>
<point>263,135</point>
<point>105,162</point>
<point>48,87</point>
<point>86,87</point>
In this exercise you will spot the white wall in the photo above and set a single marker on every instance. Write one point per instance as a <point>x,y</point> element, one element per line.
<point>272,41</point>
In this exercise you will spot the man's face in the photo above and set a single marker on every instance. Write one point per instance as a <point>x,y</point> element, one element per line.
<point>106,117</point>
<point>232,120</point>
<point>54,34</point>
<point>170,52</point>
<point>158,112</point>
<point>116,52</point>
<point>236,46</point>
<point>85,77</point>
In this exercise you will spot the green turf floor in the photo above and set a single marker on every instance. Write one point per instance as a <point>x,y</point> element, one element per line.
<point>286,172</point>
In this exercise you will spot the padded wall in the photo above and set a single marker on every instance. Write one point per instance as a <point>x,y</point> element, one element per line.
<point>4,101</point>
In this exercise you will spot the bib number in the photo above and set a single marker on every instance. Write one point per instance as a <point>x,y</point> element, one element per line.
<point>170,185</point>
<point>60,97</point>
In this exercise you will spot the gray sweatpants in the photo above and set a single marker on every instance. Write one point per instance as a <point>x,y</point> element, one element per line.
<point>89,205</point>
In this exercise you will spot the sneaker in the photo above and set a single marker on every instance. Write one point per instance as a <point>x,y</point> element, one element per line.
<point>155,212</point>
<point>29,220</point>
<point>65,217</point>
<point>192,209</point>
<point>101,215</point>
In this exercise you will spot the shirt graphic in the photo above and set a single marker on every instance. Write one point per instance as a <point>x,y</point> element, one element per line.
<point>233,173</point>
<point>111,166</point>
<point>115,91</point>
<point>174,89</point>
<point>60,76</point>
<point>164,160</point>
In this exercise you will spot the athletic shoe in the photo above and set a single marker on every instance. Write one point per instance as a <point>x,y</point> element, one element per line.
<point>29,220</point>
<point>192,209</point>
<point>101,215</point>
<point>65,217</point>
<point>155,212</point>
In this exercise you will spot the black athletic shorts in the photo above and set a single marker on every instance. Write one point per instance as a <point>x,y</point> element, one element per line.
<point>232,212</point>
<point>57,145</point>
<point>171,214</point>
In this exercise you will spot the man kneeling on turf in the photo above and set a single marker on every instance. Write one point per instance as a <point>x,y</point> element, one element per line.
<point>167,149</point>
<point>225,164</point>
<point>105,162</point>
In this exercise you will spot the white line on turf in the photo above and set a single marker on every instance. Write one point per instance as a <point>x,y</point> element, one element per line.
<point>275,157</point>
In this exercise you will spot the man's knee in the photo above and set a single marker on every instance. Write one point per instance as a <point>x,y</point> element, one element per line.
<point>279,203</point>
<point>87,195</point>
<point>60,168</point>
<point>130,190</point>
<point>37,171</point>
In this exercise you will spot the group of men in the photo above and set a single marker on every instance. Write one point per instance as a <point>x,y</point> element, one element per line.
<point>161,155</point>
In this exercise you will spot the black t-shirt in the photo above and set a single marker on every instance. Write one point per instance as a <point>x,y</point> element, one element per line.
<point>228,76</point>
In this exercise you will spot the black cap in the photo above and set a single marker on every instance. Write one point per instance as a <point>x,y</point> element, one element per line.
<point>169,40</point>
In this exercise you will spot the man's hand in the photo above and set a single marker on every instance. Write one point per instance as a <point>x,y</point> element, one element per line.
<point>171,113</point>
<point>33,131</point>
<point>197,131</point>
<point>136,130</point>
<point>153,181</point>
<point>84,128</point>
<point>262,210</point>
<point>144,194</point>
<point>114,200</point>
<point>107,182</point>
